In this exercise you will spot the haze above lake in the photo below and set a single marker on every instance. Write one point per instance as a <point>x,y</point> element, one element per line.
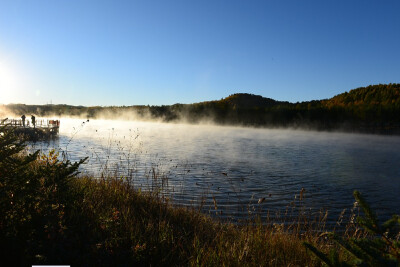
<point>238,166</point>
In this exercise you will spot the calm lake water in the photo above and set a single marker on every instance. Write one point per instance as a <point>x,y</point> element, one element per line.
<point>234,167</point>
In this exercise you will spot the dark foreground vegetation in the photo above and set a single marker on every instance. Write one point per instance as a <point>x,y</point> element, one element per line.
<point>372,109</point>
<point>49,215</point>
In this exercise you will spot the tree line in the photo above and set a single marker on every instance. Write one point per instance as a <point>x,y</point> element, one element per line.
<point>375,108</point>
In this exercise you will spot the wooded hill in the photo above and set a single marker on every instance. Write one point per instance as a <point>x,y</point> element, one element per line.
<point>375,109</point>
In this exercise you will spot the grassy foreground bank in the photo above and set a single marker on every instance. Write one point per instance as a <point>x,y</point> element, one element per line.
<point>50,216</point>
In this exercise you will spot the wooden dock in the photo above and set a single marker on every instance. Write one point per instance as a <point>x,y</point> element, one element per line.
<point>42,129</point>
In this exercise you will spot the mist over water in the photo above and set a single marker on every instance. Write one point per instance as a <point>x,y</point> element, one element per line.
<point>237,166</point>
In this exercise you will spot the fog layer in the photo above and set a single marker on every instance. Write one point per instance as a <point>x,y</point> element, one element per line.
<point>238,165</point>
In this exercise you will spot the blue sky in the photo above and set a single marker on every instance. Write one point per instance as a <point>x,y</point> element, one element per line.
<point>164,52</point>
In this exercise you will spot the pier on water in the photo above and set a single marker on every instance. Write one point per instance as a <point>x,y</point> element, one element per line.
<point>41,129</point>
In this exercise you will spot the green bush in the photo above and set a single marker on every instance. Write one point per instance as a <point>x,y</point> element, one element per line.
<point>34,197</point>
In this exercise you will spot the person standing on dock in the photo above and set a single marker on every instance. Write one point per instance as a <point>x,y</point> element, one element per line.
<point>23,120</point>
<point>33,121</point>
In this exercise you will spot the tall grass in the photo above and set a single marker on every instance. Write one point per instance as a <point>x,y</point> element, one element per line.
<point>131,226</point>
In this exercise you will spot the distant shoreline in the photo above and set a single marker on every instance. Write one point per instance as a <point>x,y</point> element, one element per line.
<point>374,109</point>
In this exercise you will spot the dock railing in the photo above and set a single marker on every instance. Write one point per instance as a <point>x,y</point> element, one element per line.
<point>42,123</point>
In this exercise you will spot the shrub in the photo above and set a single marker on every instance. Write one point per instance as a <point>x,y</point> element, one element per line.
<point>34,196</point>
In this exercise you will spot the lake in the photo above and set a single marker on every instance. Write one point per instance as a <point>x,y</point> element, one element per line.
<point>228,169</point>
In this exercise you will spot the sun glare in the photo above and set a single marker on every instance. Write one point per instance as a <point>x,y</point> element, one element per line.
<point>8,83</point>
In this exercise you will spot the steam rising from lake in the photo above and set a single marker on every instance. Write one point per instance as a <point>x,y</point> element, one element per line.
<point>237,166</point>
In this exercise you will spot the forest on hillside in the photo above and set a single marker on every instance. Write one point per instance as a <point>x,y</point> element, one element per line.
<point>373,109</point>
